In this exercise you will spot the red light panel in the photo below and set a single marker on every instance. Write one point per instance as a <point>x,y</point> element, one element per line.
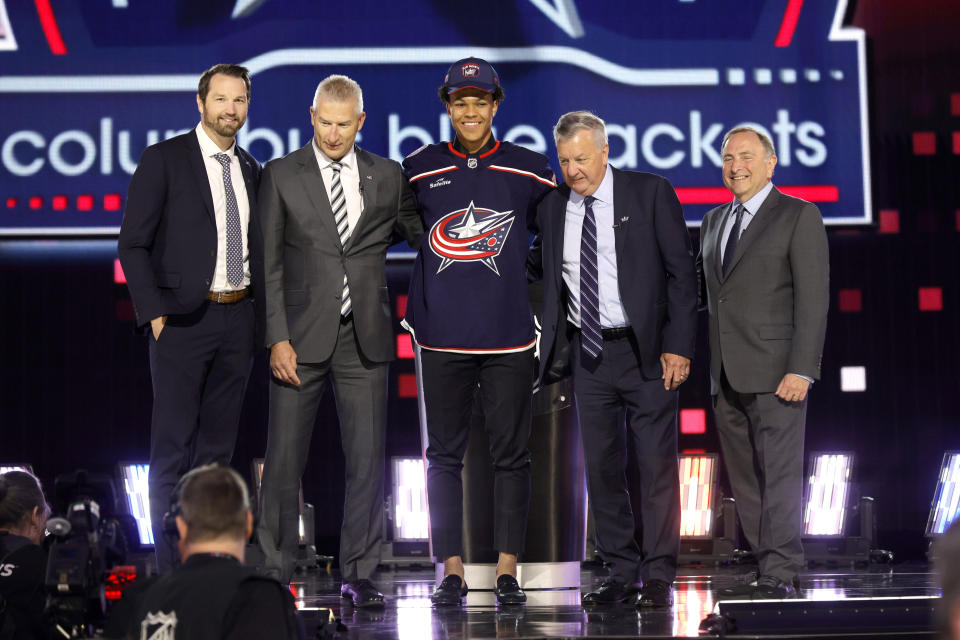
<point>407,385</point>
<point>85,202</point>
<point>693,421</point>
<point>401,306</point>
<point>59,203</point>
<point>956,142</point>
<point>111,202</point>
<point>404,346</point>
<point>924,143</point>
<point>955,104</point>
<point>889,221</point>
<point>12,202</point>
<point>957,216</point>
<point>850,300</point>
<point>118,275</point>
<point>36,202</point>
<point>930,298</point>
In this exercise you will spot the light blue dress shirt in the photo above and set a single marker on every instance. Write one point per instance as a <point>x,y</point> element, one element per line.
<point>750,208</point>
<point>612,313</point>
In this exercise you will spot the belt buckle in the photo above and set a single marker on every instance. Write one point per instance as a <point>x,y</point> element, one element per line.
<point>220,295</point>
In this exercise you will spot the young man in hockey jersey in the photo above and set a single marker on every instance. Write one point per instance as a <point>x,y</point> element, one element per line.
<point>469,312</point>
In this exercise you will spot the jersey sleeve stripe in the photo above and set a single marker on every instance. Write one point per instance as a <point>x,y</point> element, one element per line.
<point>524,173</point>
<point>427,174</point>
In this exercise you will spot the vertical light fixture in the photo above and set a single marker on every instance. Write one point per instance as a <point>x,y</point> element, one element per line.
<point>827,493</point>
<point>410,516</point>
<point>946,499</point>
<point>137,497</point>
<point>698,486</point>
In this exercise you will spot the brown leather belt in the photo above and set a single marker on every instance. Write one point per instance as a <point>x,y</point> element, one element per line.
<point>228,297</point>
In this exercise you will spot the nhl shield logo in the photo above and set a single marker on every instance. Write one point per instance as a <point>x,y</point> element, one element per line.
<point>470,235</point>
<point>159,626</point>
<point>471,163</point>
<point>470,70</point>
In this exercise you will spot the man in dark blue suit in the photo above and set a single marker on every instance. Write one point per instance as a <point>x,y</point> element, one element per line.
<point>620,296</point>
<point>192,252</point>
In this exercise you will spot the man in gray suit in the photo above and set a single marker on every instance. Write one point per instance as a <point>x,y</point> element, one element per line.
<point>764,265</point>
<point>330,211</point>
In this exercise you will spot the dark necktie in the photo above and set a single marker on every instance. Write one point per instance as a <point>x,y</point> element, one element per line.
<point>338,202</point>
<point>591,338</point>
<point>234,234</point>
<point>731,246</point>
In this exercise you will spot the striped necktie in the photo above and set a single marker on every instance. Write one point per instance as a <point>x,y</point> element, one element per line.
<point>591,337</point>
<point>339,204</point>
<point>234,233</point>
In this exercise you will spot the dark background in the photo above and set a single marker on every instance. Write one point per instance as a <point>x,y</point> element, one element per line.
<point>75,386</point>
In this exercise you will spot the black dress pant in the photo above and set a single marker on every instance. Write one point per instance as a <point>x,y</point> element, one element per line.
<point>619,408</point>
<point>450,382</point>
<point>199,367</point>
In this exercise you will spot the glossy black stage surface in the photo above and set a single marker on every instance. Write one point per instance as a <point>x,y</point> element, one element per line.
<point>898,607</point>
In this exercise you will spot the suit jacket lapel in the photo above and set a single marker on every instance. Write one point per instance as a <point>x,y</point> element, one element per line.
<point>559,226</point>
<point>316,191</point>
<point>757,225</point>
<point>247,170</point>
<point>369,190</point>
<point>621,196</point>
<point>199,171</point>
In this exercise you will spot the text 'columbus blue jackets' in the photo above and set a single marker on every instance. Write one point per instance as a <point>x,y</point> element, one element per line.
<point>468,291</point>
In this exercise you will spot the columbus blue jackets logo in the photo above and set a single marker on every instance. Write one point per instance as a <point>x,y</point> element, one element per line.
<point>470,70</point>
<point>470,235</point>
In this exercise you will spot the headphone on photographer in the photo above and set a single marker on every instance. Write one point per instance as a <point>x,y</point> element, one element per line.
<point>170,517</point>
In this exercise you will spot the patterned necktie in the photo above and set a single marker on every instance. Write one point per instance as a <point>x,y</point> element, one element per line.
<point>339,204</point>
<point>732,239</point>
<point>591,337</point>
<point>234,234</point>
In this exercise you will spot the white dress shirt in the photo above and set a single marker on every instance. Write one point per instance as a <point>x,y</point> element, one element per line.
<point>349,180</point>
<point>209,149</point>
<point>612,313</point>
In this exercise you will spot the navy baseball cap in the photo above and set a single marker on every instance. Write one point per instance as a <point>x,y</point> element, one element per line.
<point>471,73</point>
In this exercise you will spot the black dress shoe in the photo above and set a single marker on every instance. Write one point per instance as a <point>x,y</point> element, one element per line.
<point>508,591</point>
<point>361,593</point>
<point>656,594</point>
<point>449,592</point>
<point>610,592</point>
<point>747,582</point>
<point>773,588</point>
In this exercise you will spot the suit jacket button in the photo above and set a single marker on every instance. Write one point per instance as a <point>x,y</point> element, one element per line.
<point>207,282</point>
<point>213,253</point>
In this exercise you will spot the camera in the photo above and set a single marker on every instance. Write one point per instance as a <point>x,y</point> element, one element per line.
<point>84,543</point>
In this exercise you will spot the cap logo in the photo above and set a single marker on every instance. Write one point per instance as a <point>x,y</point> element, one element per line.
<point>470,70</point>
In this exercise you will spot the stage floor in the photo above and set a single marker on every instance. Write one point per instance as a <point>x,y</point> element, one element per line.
<point>558,613</point>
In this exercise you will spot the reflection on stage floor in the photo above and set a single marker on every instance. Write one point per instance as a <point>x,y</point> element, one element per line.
<point>408,613</point>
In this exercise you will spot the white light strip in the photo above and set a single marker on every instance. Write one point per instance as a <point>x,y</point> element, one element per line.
<point>828,487</point>
<point>137,491</point>
<point>946,501</point>
<point>369,55</point>
<point>410,521</point>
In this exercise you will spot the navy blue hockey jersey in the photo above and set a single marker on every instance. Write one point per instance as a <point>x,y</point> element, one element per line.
<point>468,291</point>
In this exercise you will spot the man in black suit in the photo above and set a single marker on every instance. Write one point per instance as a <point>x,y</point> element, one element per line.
<point>620,285</point>
<point>191,249</point>
<point>330,211</point>
<point>764,265</point>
